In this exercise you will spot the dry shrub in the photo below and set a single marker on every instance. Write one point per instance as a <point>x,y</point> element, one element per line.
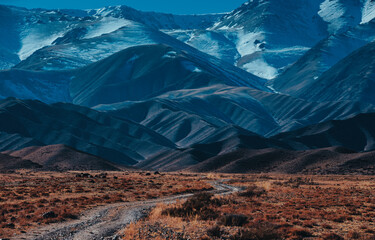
<point>215,231</point>
<point>332,236</point>
<point>299,233</point>
<point>198,205</point>
<point>354,235</point>
<point>252,191</point>
<point>234,220</point>
<point>259,231</point>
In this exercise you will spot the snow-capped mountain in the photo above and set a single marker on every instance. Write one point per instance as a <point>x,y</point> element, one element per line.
<point>145,86</point>
<point>322,57</point>
<point>265,36</point>
<point>26,31</point>
<point>262,36</point>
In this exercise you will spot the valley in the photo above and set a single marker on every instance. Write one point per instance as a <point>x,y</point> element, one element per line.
<point>257,123</point>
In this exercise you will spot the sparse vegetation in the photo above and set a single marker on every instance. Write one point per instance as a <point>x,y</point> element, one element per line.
<point>271,207</point>
<point>30,199</point>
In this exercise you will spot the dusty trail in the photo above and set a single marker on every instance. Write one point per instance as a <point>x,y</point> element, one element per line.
<point>105,221</point>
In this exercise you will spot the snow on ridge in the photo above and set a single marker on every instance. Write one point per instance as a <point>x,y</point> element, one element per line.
<point>261,69</point>
<point>107,25</point>
<point>331,11</point>
<point>368,11</point>
<point>246,43</point>
<point>34,41</point>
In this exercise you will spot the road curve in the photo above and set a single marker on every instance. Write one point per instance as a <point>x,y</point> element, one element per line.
<point>105,221</point>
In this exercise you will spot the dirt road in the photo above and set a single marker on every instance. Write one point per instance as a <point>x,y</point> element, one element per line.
<point>105,221</point>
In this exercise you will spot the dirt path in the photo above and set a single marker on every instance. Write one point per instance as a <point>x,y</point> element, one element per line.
<point>105,221</point>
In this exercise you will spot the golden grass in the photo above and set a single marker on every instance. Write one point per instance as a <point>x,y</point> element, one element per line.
<point>25,196</point>
<point>274,207</point>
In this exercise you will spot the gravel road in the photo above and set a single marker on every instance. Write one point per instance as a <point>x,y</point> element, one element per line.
<point>105,221</point>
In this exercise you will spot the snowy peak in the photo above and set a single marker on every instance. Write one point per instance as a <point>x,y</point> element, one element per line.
<point>158,20</point>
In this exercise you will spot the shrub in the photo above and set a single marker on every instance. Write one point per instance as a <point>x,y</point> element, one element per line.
<point>354,235</point>
<point>214,231</point>
<point>332,236</point>
<point>69,216</point>
<point>252,191</point>
<point>259,231</point>
<point>300,233</point>
<point>234,220</point>
<point>197,205</point>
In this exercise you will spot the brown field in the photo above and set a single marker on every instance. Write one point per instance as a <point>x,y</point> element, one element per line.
<point>26,196</point>
<point>271,207</point>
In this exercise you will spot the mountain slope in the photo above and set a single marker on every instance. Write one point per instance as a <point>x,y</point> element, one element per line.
<point>332,160</point>
<point>9,163</point>
<point>158,20</point>
<point>24,31</point>
<point>86,130</point>
<point>305,72</point>
<point>49,87</point>
<point>262,32</point>
<point>62,158</point>
<point>350,79</point>
<point>146,71</point>
<point>185,116</point>
<point>355,133</point>
<point>224,141</point>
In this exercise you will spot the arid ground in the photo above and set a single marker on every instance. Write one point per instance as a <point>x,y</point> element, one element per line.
<point>270,207</point>
<point>31,199</point>
<point>267,206</point>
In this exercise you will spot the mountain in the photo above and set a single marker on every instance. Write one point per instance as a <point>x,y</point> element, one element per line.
<point>306,150</point>
<point>304,74</point>
<point>350,79</point>
<point>355,133</point>
<point>157,20</point>
<point>86,130</point>
<point>61,158</point>
<point>254,37</point>
<point>334,160</point>
<point>143,72</point>
<point>49,87</point>
<point>186,116</point>
<point>205,95</point>
<point>25,31</point>
<point>9,163</point>
<point>225,141</point>
<point>269,35</point>
<point>270,86</point>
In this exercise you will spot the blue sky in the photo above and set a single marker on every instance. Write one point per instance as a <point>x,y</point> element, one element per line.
<point>169,6</point>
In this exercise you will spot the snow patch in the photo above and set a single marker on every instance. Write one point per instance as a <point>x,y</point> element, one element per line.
<point>206,43</point>
<point>331,11</point>
<point>35,41</point>
<point>368,11</point>
<point>191,67</point>
<point>261,69</point>
<point>170,54</point>
<point>107,25</point>
<point>246,43</point>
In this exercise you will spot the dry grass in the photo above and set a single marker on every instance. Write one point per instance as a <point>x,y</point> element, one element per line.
<point>26,197</point>
<point>271,207</point>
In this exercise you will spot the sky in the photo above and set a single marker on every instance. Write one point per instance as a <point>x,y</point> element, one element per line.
<point>167,6</point>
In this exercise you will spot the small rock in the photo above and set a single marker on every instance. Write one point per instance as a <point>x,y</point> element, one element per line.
<point>50,214</point>
<point>102,175</point>
<point>10,225</point>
